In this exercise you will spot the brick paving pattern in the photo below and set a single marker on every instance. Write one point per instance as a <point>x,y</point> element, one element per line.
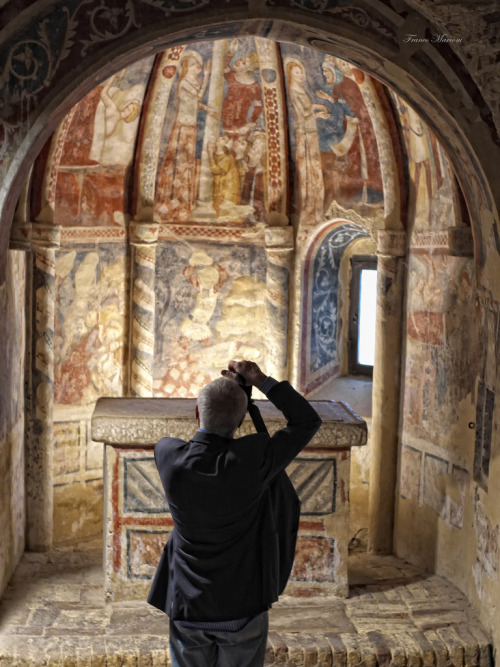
<point>54,613</point>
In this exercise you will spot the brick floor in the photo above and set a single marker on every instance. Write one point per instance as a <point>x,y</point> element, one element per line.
<point>54,613</point>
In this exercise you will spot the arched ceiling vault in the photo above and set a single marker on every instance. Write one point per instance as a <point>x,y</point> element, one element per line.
<point>54,53</point>
<point>150,142</point>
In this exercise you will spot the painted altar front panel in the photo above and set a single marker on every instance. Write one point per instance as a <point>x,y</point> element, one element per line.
<point>137,517</point>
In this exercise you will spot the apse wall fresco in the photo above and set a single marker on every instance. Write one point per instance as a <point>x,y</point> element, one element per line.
<point>197,149</point>
<point>211,306</point>
<point>91,179</point>
<point>443,325</point>
<point>333,145</point>
<point>431,199</point>
<point>221,155</point>
<point>90,329</point>
<point>320,320</point>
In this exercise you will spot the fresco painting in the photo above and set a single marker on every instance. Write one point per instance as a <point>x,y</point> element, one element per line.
<point>443,318</point>
<point>90,325</point>
<point>211,304</point>
<point>214,147</point>
<point>320,319</point>
<point>431,203</point>
<point>93,168</point>
<point>332,138</point>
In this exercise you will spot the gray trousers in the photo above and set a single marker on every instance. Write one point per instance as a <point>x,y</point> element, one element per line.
<point>209,648</point>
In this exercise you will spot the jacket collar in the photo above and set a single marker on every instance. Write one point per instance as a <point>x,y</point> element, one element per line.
<point>208,438</point>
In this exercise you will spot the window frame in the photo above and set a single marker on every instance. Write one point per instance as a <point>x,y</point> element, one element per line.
<point>358,264</point>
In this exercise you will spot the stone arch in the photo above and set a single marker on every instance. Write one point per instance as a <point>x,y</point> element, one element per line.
<point>43,78</point>
<point>319,360</point>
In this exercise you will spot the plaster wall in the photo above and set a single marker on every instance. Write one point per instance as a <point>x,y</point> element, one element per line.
<point>12,470</point>
<point>447,504</point>
<point>90,341</point>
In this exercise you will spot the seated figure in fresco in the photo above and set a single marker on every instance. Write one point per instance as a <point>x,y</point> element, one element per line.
<point>242,105</point>
<point>236,518</point>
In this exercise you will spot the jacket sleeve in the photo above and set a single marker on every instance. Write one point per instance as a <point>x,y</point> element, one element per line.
<point>303,422</point>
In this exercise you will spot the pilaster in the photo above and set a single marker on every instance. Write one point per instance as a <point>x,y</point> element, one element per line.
<point>279,249</point>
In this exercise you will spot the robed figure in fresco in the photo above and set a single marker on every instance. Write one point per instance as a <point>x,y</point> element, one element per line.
<point>242,105</point>
<point>177,183</point>
<point>311,192</point>
<point>356,154</point>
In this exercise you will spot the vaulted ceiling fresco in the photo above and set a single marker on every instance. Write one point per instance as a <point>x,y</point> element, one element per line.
<point>241,133</point>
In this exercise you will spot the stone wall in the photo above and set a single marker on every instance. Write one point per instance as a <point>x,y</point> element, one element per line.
<point>12,502</point>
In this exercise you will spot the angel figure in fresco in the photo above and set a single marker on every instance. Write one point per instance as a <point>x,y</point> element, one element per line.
<point>311,191</point>
<point>242,103</point>
<point>176,183</point>
<point>116,121</point>
<point>207,278</point>
<point>360,168</point>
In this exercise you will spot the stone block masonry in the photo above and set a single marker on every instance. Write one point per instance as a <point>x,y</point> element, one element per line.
<point>54,613</point>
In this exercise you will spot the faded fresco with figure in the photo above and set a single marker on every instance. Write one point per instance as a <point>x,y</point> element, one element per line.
<point>219,132</point>
<point>442,313</point>
<point>442,310</point>
<point>211,306</point>
<point>431,203</point>
<point>334,153</point>
<point>90,324</point>
<point>93,167</point>
<point>320,318</point>
<point>443,325</point>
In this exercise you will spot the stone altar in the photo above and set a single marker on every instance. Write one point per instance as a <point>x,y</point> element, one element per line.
<point>137,521</point>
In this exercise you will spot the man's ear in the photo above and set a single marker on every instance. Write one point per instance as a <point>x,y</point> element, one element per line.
<point>197,414</point>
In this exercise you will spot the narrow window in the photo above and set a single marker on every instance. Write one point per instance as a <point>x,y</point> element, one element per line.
<point>362,319</point>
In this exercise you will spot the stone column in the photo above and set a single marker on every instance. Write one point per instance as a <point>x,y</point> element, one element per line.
<point>391,250</point>
<point>40,441</point>
<point>279,247</point>
<point>143,241</point>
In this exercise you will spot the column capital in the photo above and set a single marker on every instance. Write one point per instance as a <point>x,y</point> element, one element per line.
<point>279,237</point>
<point>142,232</point>
<point>34,236</point>
<point>391,242</point>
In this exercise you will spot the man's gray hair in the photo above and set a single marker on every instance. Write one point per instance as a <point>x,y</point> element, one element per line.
<point>222,404</point>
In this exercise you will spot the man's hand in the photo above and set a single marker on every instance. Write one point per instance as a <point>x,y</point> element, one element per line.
<point>248,370</point>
